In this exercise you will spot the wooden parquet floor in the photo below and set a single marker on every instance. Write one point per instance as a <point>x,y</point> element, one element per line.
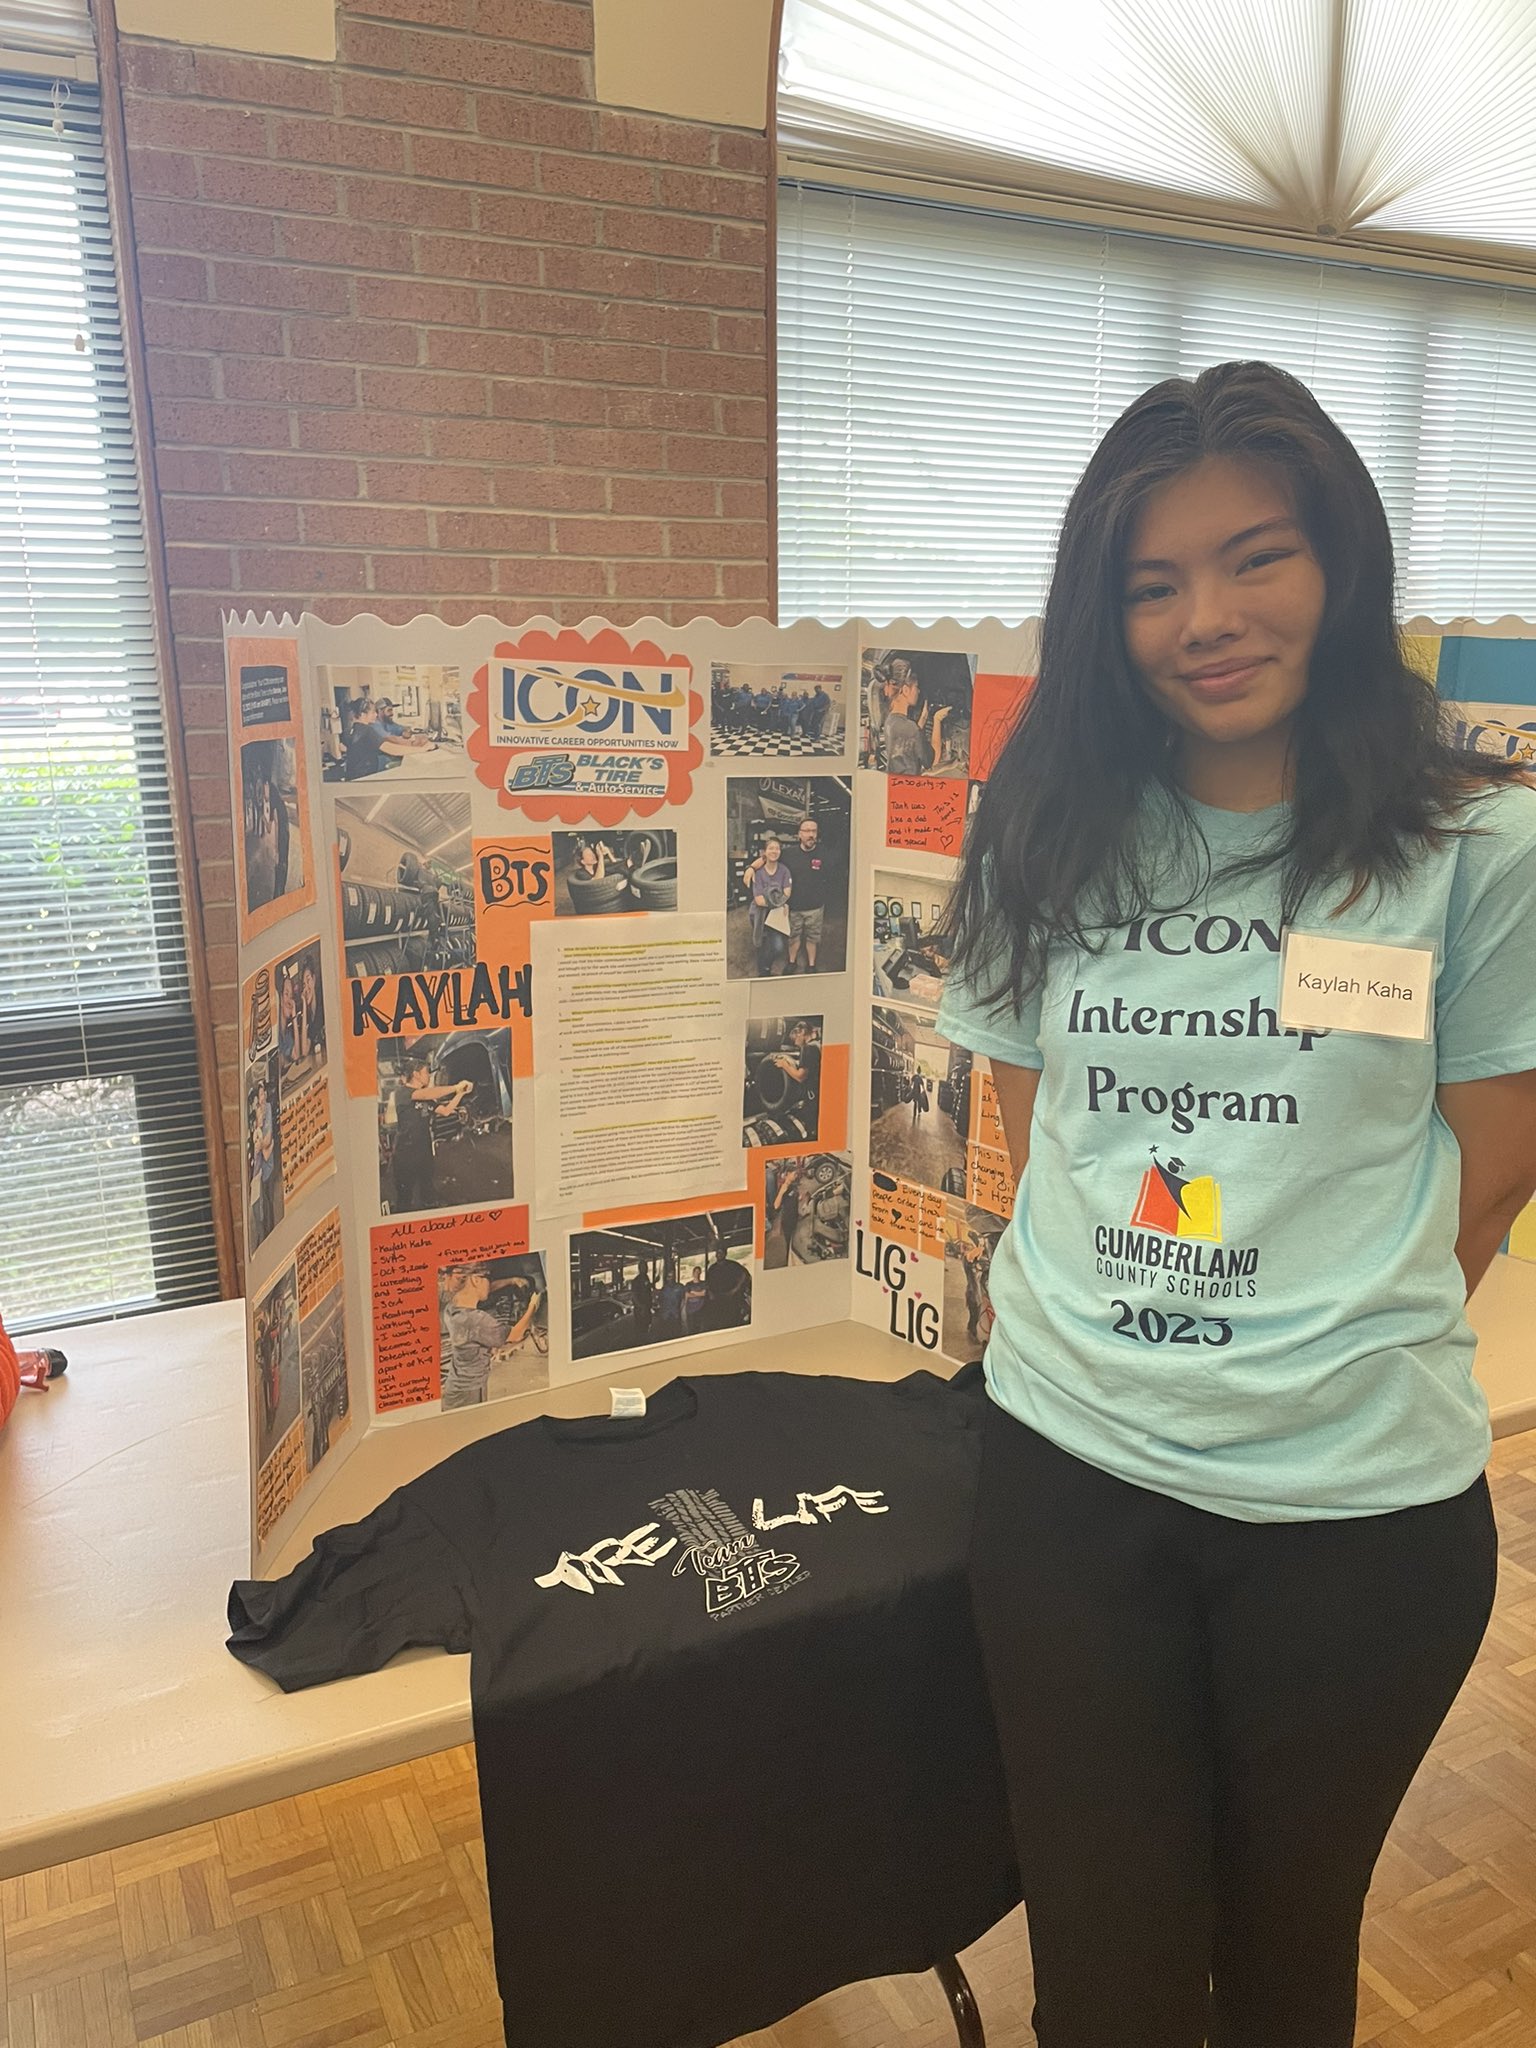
<point>357,1917</point>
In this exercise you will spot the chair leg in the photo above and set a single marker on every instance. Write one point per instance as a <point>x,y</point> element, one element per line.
<point>962,2003</point>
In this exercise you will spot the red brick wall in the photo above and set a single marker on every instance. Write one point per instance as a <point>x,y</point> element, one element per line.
<point>427,328</point>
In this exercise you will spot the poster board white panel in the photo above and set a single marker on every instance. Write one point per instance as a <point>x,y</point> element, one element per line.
<point>306,1396</point>
<point>460,785</point>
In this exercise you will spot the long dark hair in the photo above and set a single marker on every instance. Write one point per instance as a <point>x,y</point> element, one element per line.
<point>1375,773</point>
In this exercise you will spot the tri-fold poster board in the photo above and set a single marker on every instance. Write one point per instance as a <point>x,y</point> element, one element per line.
<point>588,983</point>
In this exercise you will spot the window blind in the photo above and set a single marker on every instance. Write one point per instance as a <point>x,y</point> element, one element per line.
<point>62,26</point>
<point>104,1199</point>
<point>944,374</point>
<point>1404,122</point>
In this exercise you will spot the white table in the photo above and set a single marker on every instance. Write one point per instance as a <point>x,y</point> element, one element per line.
<point>123,1519</point>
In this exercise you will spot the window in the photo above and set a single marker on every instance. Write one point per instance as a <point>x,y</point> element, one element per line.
<point>104,1196</point>
<point>1389,123</point>
<point>944,373</point>
<point>1208,181</point>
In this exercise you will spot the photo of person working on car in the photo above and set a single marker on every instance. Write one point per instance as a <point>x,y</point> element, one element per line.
<point>476,1321</point>
<point>416,1098</point>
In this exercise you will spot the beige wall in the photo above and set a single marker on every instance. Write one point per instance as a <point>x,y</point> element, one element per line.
<point>699,60</point>
<point>702,60</point>
<point>269,28</point>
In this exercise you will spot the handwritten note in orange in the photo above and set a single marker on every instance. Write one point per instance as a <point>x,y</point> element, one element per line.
<point>989,1180</point>
<point>986,1115</point>
<point>406,1259</point>
<point>924,814</point>
<point>909,1214</point>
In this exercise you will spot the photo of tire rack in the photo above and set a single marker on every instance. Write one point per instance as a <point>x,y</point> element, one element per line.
<point>602,874</point>
<point>406,898</point>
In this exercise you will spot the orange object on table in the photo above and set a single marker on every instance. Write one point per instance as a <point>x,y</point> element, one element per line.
<point>10,1376</point>
<point>20,1369</point>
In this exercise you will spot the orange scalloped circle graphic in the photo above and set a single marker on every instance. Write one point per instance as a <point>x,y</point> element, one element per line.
<point>607,648</point>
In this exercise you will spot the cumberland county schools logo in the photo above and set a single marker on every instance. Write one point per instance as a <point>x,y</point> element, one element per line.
<point>1172,1203</point>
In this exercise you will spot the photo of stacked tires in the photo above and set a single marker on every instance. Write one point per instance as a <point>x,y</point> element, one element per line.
<point>781,1101</point>
<point>787,1128</point>
<point>406,901</point>
<point>602,874</point>
<point>891,1064</point>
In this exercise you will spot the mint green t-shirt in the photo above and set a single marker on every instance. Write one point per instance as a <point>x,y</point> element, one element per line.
<point>1231,1275</point>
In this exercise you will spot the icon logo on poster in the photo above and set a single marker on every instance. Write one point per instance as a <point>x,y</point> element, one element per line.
<point>549,704</point>
<point>569,727</point>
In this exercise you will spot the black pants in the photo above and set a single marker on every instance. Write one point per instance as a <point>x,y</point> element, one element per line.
<point>415,1177</point>
<point>1208,1726</point>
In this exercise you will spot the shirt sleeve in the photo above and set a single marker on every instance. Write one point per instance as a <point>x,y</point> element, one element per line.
<point>997,1031</point>
<point>367,1590</point>
<point>1485,998</point>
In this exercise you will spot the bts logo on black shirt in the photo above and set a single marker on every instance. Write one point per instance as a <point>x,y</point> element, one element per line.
<point>737,1571</point>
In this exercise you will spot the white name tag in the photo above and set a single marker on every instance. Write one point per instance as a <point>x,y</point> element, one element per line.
<point>1334,984</point>
<point>626,1401</point>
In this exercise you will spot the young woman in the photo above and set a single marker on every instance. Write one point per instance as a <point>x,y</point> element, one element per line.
<point>913,740</point>
<point>1234,1550</point>
<point>472,1334</point>
<point>770,885</point>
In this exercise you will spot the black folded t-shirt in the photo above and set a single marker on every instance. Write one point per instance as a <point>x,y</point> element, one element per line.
<point>733,1741</point>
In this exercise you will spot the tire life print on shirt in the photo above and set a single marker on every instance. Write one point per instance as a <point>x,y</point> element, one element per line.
<point>709,1541</point>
